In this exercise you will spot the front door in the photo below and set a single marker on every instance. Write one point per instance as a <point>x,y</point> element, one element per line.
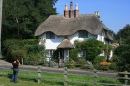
<point>66,55</point>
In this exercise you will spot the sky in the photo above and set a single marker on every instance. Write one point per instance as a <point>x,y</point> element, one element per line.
<point>115,14</point>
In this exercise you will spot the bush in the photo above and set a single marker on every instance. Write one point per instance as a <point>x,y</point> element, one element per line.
<point>15,48</point>
<point>73,54</point>
<point>112,66</point>
<point>104,65</point>
<point>97,60</point>
<point>70,64</point>
<point>81,62</point>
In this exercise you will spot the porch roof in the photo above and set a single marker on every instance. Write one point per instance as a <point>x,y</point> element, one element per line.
<point>65,44</point>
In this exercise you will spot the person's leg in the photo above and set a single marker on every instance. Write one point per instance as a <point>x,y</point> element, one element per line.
<point>12,78</point>
<point>16,75</point>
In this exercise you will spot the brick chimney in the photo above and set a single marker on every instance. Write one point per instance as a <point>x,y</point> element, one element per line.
<point>66,11</point>
<point>76,11</point>
<point>97,14</point>
<point>71,11</point>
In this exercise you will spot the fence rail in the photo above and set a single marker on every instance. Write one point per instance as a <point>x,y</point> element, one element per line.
<point>124,76</point>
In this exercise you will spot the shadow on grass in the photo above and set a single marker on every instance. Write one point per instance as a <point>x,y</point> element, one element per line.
<point>9,75</point>
<point>28,79</point>
<point>24,78</point>
<point>53,82</point>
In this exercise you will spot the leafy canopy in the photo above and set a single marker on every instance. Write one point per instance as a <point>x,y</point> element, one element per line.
<point>22,17</point>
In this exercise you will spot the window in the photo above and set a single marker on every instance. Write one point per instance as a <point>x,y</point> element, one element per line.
<point>50,35</point>
<point>83,34</point>
<point>49,53</point>
<point>84,52</point>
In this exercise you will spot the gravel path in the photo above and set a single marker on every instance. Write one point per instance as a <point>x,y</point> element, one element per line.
<point>3,62</point>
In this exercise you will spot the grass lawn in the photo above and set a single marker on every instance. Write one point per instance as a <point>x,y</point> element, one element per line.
<point>27,78</point>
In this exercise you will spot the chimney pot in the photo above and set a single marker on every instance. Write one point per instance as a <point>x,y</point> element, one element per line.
<point>76,11</point>
<point>97,14</point>
<point>71,5</point>
<point>66,6</point>
<point>66,12</point>
<point>76,7</point>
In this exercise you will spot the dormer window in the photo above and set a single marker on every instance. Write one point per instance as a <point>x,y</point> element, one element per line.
<point>83,34</point>
<point>50,35</point>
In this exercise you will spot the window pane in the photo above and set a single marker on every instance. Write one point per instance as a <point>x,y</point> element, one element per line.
<point>50,35</point>
<point>83,34</point>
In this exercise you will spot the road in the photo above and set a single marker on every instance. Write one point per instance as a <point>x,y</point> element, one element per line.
<point>60,70</point>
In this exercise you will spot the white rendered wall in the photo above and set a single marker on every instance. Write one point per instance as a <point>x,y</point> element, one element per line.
<point>53,43</point>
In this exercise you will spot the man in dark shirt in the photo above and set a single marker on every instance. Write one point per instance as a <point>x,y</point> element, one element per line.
<point>16,65</point>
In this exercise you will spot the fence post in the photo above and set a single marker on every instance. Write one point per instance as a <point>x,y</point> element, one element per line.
<point>95,76</point>
<point>39,74</point>
<point>65,76</point>
<point>126,76</point>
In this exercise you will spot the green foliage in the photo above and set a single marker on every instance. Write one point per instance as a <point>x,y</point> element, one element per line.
<point>107,51</point>
<point>70,64</point>
<point>97,60</point>
<point>22,17</point>
<point>81,62</point>
<point>127,41</point>
<point>113,66</point>
<point>122,50</point>
<point>13,49</point>
<point>123,53</point>
<point>123,34</point>
<point>27,49</point>
<point>74,54</point>
<point>104,67</point>
<point>93,47</point>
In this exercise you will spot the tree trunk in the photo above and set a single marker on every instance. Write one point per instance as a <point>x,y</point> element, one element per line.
<point>1,3</point>
<point>22,60</point>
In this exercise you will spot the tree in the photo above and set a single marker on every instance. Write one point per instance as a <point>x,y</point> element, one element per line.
<point>107,50</point>
<point>123,59</point>
<point>1,4</point>
<point>123,34</point>
<point>22,17</point>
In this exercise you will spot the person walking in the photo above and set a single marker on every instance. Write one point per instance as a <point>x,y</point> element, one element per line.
<point>16,65</point>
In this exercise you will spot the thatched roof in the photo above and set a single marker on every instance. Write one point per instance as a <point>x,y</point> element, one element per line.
<point>107,35</point>
<point>62,26</point>
<point>65,44</point>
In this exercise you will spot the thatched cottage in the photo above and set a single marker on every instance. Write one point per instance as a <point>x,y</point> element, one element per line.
<point>60,31</point>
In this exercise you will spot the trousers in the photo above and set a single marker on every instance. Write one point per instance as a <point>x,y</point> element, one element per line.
<point>15,75</point>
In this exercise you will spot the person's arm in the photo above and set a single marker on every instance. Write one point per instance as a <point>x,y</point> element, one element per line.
<point>18,63</point>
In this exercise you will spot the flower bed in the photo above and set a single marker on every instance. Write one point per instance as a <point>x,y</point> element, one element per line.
<point>104,65</point>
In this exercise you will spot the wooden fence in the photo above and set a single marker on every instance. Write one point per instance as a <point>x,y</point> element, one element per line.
<point>95,75</point>
<point>121,76</point>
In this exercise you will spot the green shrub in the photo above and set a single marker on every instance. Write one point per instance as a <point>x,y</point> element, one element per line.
<point>27,49</point>
<point>112,66</point>
<point>104,67</point>
<point>70,64</point>
<point>74,54</point>
<point>97,60</point>
<point>81,62</point>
